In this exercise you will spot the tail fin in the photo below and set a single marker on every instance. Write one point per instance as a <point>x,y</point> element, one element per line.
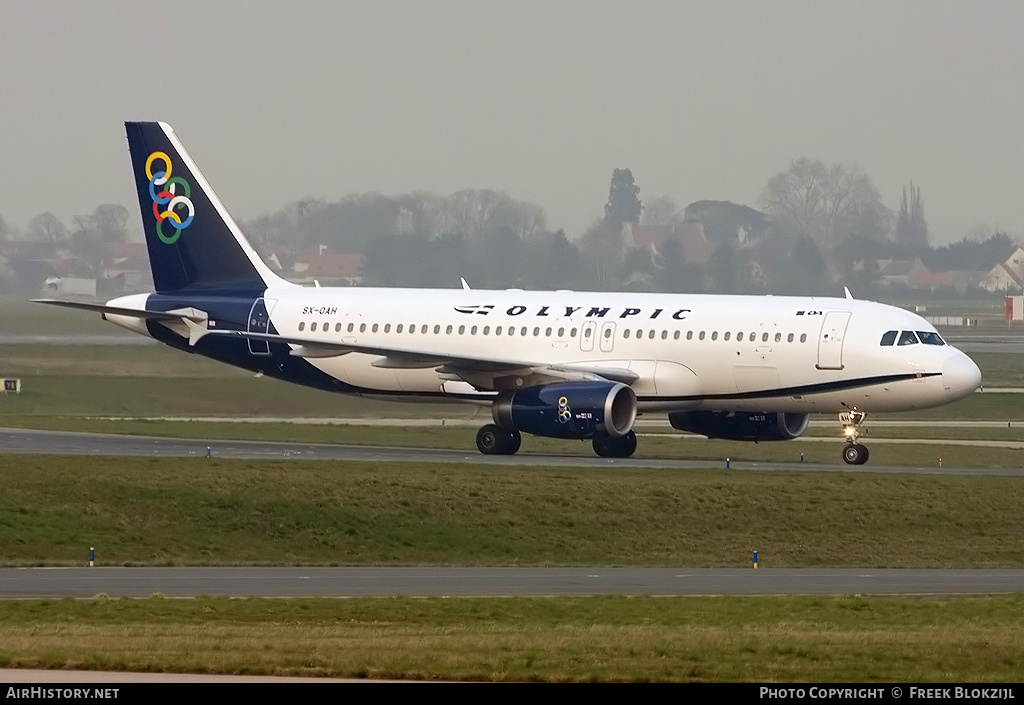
<point>193,243</point>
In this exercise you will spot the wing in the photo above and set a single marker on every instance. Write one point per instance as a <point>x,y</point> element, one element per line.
<point>486,373</point>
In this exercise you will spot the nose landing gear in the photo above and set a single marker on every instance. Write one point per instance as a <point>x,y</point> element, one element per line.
<point>854,453</point>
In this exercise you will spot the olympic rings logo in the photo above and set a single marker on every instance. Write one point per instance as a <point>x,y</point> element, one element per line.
<point>167,200</point>
<point>564,411</point>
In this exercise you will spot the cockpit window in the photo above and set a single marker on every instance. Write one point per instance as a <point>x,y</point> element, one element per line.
<point>889,337</point>
<point>908,337</point>
<point>930,338</point>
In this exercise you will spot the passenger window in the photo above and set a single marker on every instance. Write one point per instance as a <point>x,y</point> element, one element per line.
<point>907,337</point>
<point>399,328</point>
<point>423,329</point>
<point>714,335</point>
<point>689,335</point>
<point>739,337</point>
<point>778,337</point>
<point>374,330</point>
<point>362,327</point>
<point>701,336</point>
<point>803,337</point>
<point>764,337</point>
<point>675,336</point>
<point>889,337</point>
<point>789,338</point>
<point>462,330</point>
<point>930,338</point>
<point>387,327</point>
<point>337,327</point>
<point>625,333</point>
<point>302,326</point>
<point>725,336</point>
<point>664,335</point>
<point>312,326</point>
<point>448,330</point>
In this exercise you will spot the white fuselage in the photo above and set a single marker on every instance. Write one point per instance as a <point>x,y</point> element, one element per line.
<point>756,353</point>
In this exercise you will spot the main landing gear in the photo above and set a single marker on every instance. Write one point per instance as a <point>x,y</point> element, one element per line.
<point>609,447</point>
<point>854,453</point>
<point>494,440</point>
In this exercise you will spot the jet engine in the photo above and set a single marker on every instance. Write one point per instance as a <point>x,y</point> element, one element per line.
<point>741,425</point>
<point>568,410</point>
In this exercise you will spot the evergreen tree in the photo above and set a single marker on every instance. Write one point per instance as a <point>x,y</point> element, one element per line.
<point>623,200</point>
<point>911,227</point>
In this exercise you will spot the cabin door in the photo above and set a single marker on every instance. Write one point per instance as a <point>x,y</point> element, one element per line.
<point>830,340</point>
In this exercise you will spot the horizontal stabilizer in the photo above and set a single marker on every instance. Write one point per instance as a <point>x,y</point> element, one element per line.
<point>115,310</point>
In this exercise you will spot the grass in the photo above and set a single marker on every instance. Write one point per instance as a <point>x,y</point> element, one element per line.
<point>21,317</point>
<point>167,511</point>
<point>236,395</point>
<point>599,639</point>
<point>154,380</point>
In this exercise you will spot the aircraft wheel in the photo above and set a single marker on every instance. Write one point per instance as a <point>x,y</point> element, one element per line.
<point>608,447</point>
<point>491,440</point>
<point>627,445</point>
<point>515,440</point>
<point>602,445</point>
<point>855,454</point>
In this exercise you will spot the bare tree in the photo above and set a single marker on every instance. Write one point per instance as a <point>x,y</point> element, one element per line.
<point>110,222</point>
<point>46,227</point>
<point>826,202</point>
<point>661,211</point>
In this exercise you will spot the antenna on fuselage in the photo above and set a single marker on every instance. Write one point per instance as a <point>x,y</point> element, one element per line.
<point>846,291</point>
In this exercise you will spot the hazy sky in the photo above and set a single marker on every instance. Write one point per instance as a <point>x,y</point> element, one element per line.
<point>542,99</point>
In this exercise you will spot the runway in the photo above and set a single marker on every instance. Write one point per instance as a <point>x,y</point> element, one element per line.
<point>25,441</point>
<point>491,582</point>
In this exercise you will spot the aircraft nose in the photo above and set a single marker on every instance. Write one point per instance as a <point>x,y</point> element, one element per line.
<point>960,376</point>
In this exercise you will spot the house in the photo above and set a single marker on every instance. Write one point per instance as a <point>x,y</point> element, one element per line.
<point>127,267</point>
<point>1008,275</point>
<point>690,234</point>
<point>328,268</point>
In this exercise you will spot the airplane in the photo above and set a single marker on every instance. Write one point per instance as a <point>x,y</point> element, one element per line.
<point>560,364</point>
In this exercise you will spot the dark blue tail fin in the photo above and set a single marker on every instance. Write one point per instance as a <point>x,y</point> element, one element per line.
<point>193,243</point>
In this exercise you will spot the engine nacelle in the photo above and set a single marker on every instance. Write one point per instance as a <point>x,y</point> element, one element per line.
<point>568,409</point>
<point>741,425</point>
